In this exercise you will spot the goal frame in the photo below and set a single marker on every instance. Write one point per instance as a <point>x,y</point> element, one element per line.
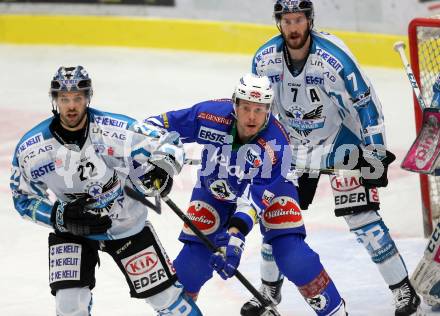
<point>427,208</point>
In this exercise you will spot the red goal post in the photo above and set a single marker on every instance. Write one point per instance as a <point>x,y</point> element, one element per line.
<point>424,46</point>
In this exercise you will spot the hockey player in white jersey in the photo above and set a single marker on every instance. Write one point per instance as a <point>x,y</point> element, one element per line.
<point>329,107</point>
<point>86,157</point>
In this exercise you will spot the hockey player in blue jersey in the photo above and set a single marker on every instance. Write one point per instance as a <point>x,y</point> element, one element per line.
<point>240,184</point>
<point>327,106</point>
<point>86,157</point>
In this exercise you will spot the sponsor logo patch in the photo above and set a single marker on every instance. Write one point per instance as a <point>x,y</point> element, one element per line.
<point>313,80</point>
<point>36,152</point>
<point>283,212</point>
<point>64,262</point>
<point>29,142</point>
<point>255,94</point>
<point>268,50</point>
<point>268,150</point>
<point>374,195</point>
<point>267,197</point>
<point>109,133</point>
<point>428,142</point>
<point>214,118</point>
<point>46,168</point>
<point>345,184</point>
<point>253,158</point>
<point>275,78</point>
<point>203,216</point>
<point>316,286</point>
<point>329,59</point>
<point>348,192</point>
<point>141,263</point>
<point>109,121</point>
<point>144,269</point>
<point>212,135</point>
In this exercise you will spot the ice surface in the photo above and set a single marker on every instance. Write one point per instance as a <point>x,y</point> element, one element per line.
<point>141,82</point>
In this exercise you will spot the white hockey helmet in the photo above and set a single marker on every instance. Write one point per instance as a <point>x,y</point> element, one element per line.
<point>254,88</point>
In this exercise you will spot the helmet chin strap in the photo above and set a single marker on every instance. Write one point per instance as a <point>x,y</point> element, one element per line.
<point>54,109</point>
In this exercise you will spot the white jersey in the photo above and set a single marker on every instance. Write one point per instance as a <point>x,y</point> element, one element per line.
<point>328,104</point>
<point>115,154</point>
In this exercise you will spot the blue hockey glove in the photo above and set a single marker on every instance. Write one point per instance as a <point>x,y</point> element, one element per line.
<point>227,259</point>
<point>74,217</point>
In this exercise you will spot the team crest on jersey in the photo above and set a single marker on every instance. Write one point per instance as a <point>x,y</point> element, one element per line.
<point>319,302</point>
<point>222,191</point>
<point>362,99</point>
<point>283,212</point>
<point>305,122</point>
<point>104,195</point>
<point>203,216</point>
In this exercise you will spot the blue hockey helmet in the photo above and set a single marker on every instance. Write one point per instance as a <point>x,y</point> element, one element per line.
<point>293,6</point>
<point>68,79</point>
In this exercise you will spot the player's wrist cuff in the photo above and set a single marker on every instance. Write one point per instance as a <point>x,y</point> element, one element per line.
<point>240,224</point>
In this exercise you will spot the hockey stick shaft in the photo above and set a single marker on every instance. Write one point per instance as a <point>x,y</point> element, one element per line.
<point>192,161</point>
<point>399,47</point>
<point>140,198</point>
<point>157,204</point>
<point>208,243</point>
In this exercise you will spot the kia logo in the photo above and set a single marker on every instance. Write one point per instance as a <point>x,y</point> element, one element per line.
<point>142,263</point>
<point>345,184</point>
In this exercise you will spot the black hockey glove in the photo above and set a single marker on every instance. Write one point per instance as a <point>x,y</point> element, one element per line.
<point>374,170</point>
<point>157,179</point>
<point>74,217</point>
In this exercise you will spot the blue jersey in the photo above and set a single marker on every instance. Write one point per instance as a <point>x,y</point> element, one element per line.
<point>115,154</point>
<point>249,176</point>
<point>329,103</point>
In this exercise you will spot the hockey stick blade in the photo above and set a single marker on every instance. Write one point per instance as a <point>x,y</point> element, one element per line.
<point>208,243</point>
<point>132,193</point>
